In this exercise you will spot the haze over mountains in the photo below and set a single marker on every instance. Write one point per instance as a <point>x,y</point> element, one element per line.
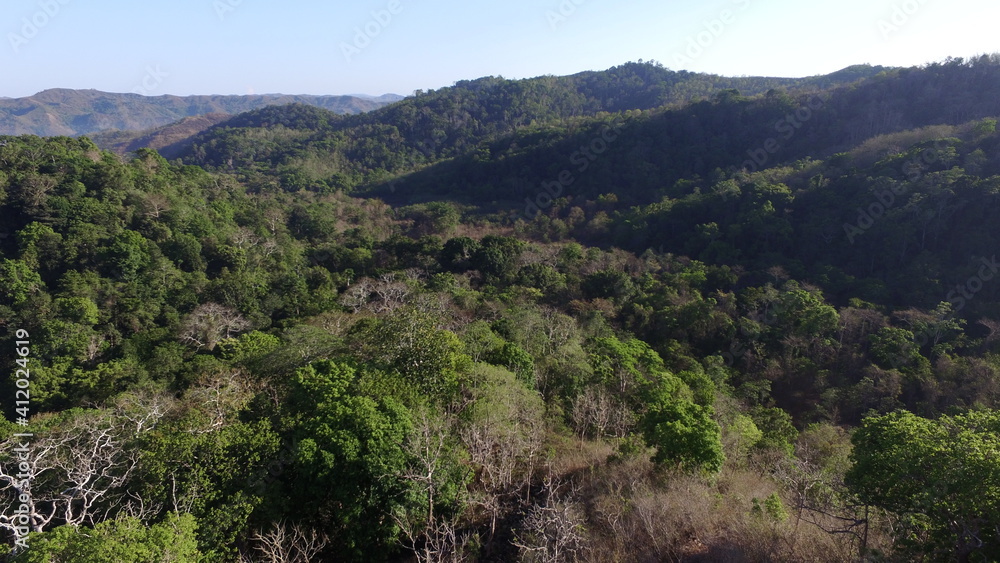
<point>639,314</point>
<point>631,86</point>
<point>60,111</point>
<point>692,122</point>
<point>542,152</point>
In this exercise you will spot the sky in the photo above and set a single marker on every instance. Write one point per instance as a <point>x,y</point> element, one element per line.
<point>186,47</point>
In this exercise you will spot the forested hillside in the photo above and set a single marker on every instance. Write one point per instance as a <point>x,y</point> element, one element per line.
<point>60,111</point>
<point>166,140</point>
<point>621,316</point>
<point>315,150</point>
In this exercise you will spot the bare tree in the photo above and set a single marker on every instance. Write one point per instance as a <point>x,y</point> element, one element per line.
<point>383,295</point>
<point>73,474</point>
<point>76,472</point>
<point>141,410</point>
<point>821,499</point>
<point>154,205</point>
<point>209,323</point>
<point>552,532</point>
<point>95,345</point>
<point>220,395</point>
<point>503,435</point>
<point>357,295</point>
<point>245,238</point>
<point>282,543</point>
<point>275,218</point>
<point>435,541</point>
<point>598,413</point>
<point>33,189</point>
<point>432,537</point>
<point>390,292</point>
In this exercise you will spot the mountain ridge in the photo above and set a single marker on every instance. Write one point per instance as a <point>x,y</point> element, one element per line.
<point>719,291</point>
<point>315,151</point>
<point>69,112</point>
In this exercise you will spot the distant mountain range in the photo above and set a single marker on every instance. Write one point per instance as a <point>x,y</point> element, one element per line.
<point>633,86</point>
<point>387,98</point>
<point>126,122</point>
<point>167,139</point>
<point>68,112</point>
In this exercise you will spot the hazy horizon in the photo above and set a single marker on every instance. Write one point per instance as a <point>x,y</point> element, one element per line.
<point>336,94</point>
<point>226,47</point>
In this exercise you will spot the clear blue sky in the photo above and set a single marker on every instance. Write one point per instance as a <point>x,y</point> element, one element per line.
<point>298,46</point>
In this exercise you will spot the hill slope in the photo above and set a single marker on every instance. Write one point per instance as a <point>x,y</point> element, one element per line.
<point>497,140</point>
<point>306,149</point>
<point>162,139</point>
<point>715,138</point>
<point>80,112</point>
<point>709,323</point>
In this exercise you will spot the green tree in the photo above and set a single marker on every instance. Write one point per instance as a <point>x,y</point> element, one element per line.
<point>609,284</point>
<point>516,359</point>
<point>122,539</point>
<point>249,348</point>
<point>893,347</point>
<point>18,281</point>
<point>682,430</point>
<point>409,342</point>
<point>776,425</point>
<point>78,310</point>
<point>805,314</point>
<point>458,252</point>
<point>436,217</point>
<point>349,448</point>
<point>206,460</point>
<point>942,476</point>
<point>127,255</point>
<point>43,248</point>
<point>498,256</point>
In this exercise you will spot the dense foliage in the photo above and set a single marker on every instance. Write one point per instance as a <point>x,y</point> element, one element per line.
<point>680,356</point>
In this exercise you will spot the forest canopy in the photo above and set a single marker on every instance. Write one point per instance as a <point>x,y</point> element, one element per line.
<point>543,320</point>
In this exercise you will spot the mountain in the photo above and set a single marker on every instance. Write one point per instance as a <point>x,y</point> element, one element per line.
<point>630,86</point>
<point>712,138</point>
<point>529,153</point>
<point>163,139</point>
<point>632,315</point>
<point>386,98</point>
<point>305,147</point>
<point>504,136</point>
<point>82,112</point>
